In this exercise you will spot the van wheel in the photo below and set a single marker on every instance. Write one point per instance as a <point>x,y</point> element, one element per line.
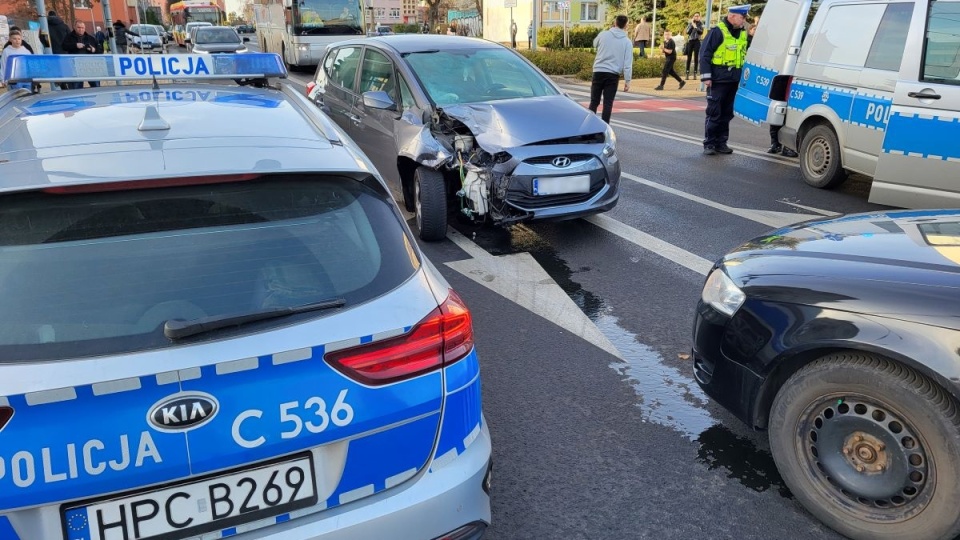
<point>820,158</point>
<point>869,447</point>
<point>430,204</point>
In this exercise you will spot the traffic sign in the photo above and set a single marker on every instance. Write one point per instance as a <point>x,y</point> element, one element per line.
<point>509,3</point>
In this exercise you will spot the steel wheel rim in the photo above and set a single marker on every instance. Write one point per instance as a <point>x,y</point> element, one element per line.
<point>865,457</point>
<point>819,156</point>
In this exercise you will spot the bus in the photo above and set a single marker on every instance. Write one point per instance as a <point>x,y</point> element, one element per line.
<point>300,30</point>
<point>181,13</point>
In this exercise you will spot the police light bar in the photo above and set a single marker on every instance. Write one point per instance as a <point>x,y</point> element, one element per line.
<point>122,67</point>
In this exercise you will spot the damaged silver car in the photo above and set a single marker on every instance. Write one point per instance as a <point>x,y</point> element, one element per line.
<point>470,125</point>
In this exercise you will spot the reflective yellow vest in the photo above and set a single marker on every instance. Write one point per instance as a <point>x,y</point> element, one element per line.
<point>733,50</point>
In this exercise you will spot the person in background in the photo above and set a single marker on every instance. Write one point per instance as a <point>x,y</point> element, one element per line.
<point>100,37</point>
<point>14,47</point>
<point>724,51</point>
<point>641,36</point>
<point>80,42</point>
<point>120,34</point>
<point>693,32</point>
<point>669,50</point>
<point>58,31</point>
<point>10,43</point>
<point>530,36</point>
<point>614,56</point>
<point>513,34</point>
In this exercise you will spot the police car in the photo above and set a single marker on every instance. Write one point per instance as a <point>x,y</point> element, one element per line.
<point>215,321</point>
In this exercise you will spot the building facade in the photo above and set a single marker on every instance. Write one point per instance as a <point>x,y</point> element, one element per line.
<point>496,17</point>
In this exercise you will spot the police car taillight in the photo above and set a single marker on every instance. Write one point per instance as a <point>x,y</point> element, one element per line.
<point>442,338</point>
<point>6,413</point>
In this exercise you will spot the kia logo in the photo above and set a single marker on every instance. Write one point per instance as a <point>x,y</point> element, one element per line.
<point>183,411</point>
<point>561,162</point>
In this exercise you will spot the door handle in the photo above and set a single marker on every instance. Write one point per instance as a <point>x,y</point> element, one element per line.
<point>924,94</point>
<point>354,118</point>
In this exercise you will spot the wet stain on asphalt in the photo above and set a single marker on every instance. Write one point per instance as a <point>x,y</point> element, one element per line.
<point>667,397</point>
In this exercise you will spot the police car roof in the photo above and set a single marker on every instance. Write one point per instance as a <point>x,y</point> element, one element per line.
<point>94,136</point>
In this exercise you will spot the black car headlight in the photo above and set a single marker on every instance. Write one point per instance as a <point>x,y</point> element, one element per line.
<point>722,293</point>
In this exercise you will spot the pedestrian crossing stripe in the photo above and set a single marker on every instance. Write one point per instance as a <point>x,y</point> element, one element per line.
<point>654,105</point>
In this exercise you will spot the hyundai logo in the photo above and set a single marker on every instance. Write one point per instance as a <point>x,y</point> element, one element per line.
<point>561,162</point>
<point>183,411</point>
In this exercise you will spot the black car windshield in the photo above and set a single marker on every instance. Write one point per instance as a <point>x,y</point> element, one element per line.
<point>328,17</point>
<point>475,75</point>
<point>217,35</point>
<point>86,274</point>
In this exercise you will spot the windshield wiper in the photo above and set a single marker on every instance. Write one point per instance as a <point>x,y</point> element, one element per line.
<point>179,328</point>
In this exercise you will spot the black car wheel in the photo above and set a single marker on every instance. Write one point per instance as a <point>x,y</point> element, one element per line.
<point>430,201</point>
<point>820,158</point>
<point>870,448</point>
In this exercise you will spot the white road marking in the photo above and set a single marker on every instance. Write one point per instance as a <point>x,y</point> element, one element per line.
<point>520,279</point>
<point>766,217</point>
<point>815,210</point>
<point>653,244</point>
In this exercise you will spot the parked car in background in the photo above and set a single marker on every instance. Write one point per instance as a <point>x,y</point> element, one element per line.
<point>384,31</point>
<point>218,39</point>
<point>246,29</point>
<point>841,338</point>
<point>144,38</point>
<point>190,28</point>
<point>467,123</point>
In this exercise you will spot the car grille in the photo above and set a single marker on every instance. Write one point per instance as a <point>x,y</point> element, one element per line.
<point>548,160</point>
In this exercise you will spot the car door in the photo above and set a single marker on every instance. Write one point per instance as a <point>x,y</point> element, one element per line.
<point>375,131</point>
<point>339,91</point>
<point>770,61</point>
<point>918,164</point>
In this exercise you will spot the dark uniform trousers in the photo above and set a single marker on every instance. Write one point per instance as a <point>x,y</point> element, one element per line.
<point>720,97</point>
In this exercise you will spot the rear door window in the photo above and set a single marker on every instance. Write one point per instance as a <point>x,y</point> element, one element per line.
<point>343,67</point>
<point>941,58</point>
<point>886,53</point>
<point>100,273</point>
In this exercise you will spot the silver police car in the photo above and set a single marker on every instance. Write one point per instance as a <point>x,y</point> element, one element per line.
<point>215,322</point>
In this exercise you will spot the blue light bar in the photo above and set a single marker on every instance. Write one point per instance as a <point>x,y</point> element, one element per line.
<point>122,67</point>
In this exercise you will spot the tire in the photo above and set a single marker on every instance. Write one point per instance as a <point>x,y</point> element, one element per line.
<point>900,478</point>
<point>430,204</point>
<point>820,160</point>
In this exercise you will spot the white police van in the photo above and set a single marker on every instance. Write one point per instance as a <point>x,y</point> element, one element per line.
<point>215,321</point>
<point>871,86</point>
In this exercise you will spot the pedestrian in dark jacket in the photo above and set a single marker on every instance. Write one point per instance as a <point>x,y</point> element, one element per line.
<point>721,62</point>
<point>80,42</point>
<point>58,31</point>
<point>120,33</point>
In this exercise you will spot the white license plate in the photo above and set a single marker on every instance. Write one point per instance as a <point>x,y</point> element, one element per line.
<point>561,184</point>
<point>207,505</point>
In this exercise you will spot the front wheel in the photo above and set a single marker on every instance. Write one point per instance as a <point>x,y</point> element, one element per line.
<point>870,448</point>
<point>430,204</point>
<point>820,158</point>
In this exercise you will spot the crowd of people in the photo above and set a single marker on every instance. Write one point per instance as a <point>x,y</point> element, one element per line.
<point>62,40</point>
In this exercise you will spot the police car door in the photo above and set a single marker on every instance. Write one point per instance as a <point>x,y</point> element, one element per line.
<point>771,59</point>
<point>918,166</point>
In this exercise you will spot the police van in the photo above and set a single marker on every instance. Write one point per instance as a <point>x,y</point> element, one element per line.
<point>215,320</point>
<point>869,86</point>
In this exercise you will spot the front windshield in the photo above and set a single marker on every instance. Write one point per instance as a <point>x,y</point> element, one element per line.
<point>217,35</point>
<point>476,75</point>
<point>328,17</point>
<point>144,30</point>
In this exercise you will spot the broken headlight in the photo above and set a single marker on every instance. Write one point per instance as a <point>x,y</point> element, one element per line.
<point>609,142</point>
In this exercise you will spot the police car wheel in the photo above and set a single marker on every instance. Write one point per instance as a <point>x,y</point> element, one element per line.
<point>820,158</point>
<point>869,447</point>
<point>430,204</point>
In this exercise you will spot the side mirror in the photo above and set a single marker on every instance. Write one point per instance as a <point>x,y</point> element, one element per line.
<point>379,100</point>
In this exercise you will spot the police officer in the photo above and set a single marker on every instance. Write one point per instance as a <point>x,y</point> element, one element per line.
<point>721,59</point>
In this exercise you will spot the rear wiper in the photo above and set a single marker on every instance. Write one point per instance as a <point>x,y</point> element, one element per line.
<point>179,328</point>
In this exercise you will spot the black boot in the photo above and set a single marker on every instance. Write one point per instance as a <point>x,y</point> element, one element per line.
<point>775,148</point>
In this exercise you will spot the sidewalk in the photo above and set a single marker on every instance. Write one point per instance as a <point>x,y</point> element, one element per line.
<point>645,87</point>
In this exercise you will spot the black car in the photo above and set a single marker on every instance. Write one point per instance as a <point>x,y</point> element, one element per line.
<point>842,338</point>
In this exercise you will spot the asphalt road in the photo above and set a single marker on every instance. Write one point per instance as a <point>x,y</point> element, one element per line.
<point>609,436</point>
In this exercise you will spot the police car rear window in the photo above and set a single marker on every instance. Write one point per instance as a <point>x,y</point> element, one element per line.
<point>100,273</point>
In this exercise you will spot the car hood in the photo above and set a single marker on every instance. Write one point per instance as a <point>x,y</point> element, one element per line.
<point>500,125</point>
<point>903,265</point>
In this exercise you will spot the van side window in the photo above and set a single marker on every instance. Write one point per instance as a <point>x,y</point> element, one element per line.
<point>888,46</point>
<point>941,58</point>
<point>846,34</point>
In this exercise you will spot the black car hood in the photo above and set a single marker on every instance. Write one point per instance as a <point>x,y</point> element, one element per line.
<point>904,265</point>
<point>500,125</point>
